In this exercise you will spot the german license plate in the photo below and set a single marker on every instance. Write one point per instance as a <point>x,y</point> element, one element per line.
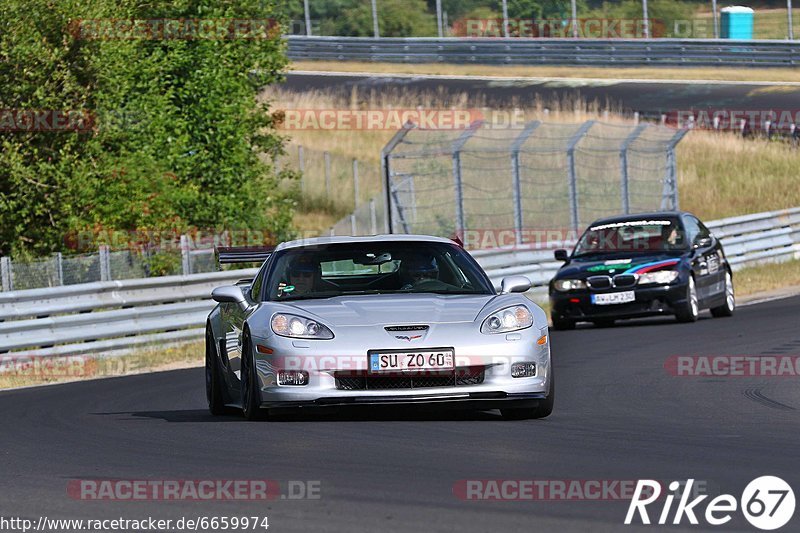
<point>612,298</point>
<point>411,361</point>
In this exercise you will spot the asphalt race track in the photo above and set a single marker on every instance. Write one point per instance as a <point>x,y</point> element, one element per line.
<point>619,415</point>
<point>651,98</point>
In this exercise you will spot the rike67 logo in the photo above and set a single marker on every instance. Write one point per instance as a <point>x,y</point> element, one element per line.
<point>767,503</point>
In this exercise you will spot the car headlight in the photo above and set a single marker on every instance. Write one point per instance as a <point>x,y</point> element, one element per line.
<point>508,319</point>
<point>299,327</point>
<point>661,277</point>
<point>565,285</point>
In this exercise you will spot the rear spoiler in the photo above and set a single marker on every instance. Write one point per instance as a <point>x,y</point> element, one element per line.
<point>243,254</point>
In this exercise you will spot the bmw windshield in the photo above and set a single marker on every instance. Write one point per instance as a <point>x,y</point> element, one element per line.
<point>632,236</point>
<point>375,268</point>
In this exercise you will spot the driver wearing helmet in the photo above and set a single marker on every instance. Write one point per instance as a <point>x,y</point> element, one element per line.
<point>300,277</point>
<point>419,269</point>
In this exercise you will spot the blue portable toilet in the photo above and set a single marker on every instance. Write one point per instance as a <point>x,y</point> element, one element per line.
<point>736,22</point>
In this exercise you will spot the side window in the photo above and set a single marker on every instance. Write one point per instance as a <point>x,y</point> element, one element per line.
<point>692,228</point>
<point>704,231</point>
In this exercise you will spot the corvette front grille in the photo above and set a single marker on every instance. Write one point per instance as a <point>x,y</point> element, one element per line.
<point>459,377</point>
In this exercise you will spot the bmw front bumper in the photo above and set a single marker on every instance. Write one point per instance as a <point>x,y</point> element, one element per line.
<point>650,301</point>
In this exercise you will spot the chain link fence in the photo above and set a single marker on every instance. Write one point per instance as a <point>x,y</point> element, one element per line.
<point>545,175</point>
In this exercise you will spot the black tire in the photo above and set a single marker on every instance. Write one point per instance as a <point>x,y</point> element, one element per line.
<point>562,324</point>
<point>729,306</point>
<point>216,403</point>
<point>251,397</point>
<point>542,410</point>
<point>690,309</point>
<point>604,322</point>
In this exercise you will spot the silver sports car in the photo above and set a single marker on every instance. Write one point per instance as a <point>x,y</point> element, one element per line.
<point>388,319</point>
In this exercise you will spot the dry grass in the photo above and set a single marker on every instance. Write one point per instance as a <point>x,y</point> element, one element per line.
<point>44,370</point>
<point>765,278</point>
<point>514,71</point>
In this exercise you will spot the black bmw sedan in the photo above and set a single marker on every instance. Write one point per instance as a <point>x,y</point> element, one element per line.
<point>641,265</point>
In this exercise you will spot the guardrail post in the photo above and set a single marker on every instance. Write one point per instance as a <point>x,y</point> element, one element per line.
<point>186,259</point>
<point>457,181</point>
<point>386,173</point>
<point>515,179</point>
<point>355,183</point>
<point>373,217</point>
<point>623,165</point>
<point>7,273</point>
<point>573,178</point>
<point>105,263</point>
<point>58,267</point>
<point>327,157</point>
<point>670,190</point>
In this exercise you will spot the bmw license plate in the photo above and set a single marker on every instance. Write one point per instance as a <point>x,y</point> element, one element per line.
<point>410,361</point>
<point>612,298</point>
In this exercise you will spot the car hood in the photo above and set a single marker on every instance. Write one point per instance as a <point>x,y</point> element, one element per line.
<point>617,264</point>
<point>394,309</point>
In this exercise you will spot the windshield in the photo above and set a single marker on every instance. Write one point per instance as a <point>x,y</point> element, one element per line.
<point>375,268</point>
<point>647,235</point>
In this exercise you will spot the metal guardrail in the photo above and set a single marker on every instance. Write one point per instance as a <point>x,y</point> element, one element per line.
<point>520,51</point>
<point>120,315</point>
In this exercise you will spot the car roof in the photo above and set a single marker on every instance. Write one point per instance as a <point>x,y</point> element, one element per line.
<point>639,216</point>
<point>347,239</point>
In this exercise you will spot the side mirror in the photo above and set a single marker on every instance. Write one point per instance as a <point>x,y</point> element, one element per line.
<point>561,255</point>
<point>702,242</point>
<point>229,294</point>
<point>514,284</point>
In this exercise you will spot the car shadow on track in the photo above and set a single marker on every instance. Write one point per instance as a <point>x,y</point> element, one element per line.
<point>326,414</point>
<point>641,322</point>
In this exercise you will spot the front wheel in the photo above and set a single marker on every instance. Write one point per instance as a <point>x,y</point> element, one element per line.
<point>216,404</point>
<point>542,410</point>
<point>728,307</point>
<point>690,309</point>
<point>251,396</point>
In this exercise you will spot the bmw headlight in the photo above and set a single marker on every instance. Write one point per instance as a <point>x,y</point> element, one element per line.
<point>299,327</point>
<point>565,285</point>
<point>508,319</point>
<point>662,277</point>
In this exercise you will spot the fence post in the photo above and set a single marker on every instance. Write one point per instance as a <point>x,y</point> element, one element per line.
<point>353,226</point>
<point>716,19</point>
<point>573,178</point>
<point>373,217</point>
<point>505,19</point>
<point>105,263</point>
<point>645,21</point>
<point>58,264</point>
<point>327,156</point>
<point>670,190</point>
<point>301,160</point>
<point>6,273</point>
<point>789,14</point>
<point>515,179</point>
<point>355,183</point>
<point>457,182</point>
<point>439,18</point>
<point>307,13</point>
<point>186,260</point>
<point>386,173</point>
<point>623,165</point>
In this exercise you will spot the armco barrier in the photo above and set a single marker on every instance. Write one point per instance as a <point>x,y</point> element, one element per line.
<point>520,51</point>
<point>119,315</point>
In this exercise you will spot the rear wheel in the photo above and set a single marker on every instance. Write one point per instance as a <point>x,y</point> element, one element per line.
<point>251,396</point>
<point>216,404</point>
<point>562,323</point>
<point>690,309</point>
<point>542,410</point>
<point>728,307</point>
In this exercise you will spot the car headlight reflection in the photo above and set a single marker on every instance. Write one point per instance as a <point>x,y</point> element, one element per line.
<point>662,277</point>
<point>299,327</point>
<point>565,285</point>
<point>508,319</point>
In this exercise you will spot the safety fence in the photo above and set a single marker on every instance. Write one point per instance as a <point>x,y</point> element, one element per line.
<point>112,317</point>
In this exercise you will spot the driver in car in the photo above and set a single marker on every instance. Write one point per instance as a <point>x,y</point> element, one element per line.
<point>418,270</point>
<point>300,277</point>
